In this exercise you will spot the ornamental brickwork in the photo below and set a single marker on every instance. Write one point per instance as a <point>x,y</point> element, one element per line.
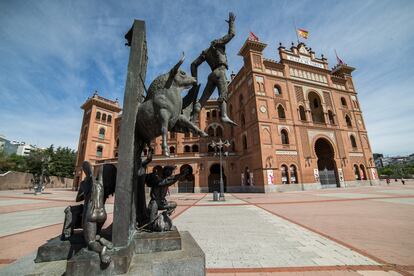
<point>299,127</point>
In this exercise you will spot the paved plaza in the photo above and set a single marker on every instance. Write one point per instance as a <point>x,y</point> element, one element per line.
<point>353,231</point>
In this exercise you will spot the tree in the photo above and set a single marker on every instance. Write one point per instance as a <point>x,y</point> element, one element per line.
<point>63,162</point>
<point>50,161</point>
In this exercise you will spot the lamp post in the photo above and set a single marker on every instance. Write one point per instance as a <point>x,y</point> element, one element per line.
<point>219,146</point>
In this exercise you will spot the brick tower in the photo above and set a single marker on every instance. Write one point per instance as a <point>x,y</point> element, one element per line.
<point>97,135</point>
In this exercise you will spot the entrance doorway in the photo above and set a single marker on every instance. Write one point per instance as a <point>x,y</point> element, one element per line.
<point>187,184</point>
<point>214,179</point>
<point>328,173</point>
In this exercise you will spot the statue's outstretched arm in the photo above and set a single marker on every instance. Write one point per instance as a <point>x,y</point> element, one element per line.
<point>231,33</point>
<point>197,62</point>
<point>169,180</point>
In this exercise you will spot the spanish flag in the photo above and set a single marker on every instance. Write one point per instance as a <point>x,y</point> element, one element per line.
<point>303,33</point>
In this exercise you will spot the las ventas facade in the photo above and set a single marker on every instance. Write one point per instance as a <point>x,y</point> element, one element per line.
<point>300,127</point>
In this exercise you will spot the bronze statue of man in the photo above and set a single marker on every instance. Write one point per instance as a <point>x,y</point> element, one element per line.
<point>216,58</point>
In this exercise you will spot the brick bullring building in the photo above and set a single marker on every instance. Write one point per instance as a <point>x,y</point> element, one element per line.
<point>300,127</point>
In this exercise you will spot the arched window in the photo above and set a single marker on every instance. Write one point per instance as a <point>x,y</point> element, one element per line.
<point>277,90</point>
<point>101,133</point>
<point>208,114</point>
<point>103,117</point>
<point>302,113</point>
<point>241,100</point>
<point>353,141</point>
<point>187,135</point>
<point>363,175</point>
<point>109,119</point>
<point>172,135</point>
<point>331,117</point>
<point>244,142</point>
<point>281,112</point>
<point>343,102</point>
<point>187,148</point>
<point>98,115</point>
<point>172,150</point>
<point>356,105</point>
<point>348,121</point>
<point>284,174</point>
<point>219,132</point>
<point>214,113</point>
<point>293,174</point>
<point>316,108</point>
<point>210,131</point>
<point>356,172</point>
<point>99,151</point>
<point>285,137</point>
<point>194,148</point>
<point>242,120</point>
<point>210,148</point>
<point>316,103</point>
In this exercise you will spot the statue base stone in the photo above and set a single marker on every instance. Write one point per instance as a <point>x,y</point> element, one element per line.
<point>156,253</point>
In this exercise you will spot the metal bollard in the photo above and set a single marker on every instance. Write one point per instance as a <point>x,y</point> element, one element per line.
<point>215,196</point>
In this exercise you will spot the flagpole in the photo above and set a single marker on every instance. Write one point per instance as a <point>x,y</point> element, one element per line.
<point>296,30</point>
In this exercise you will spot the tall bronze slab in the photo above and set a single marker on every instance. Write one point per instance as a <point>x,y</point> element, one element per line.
<point>126,186</point>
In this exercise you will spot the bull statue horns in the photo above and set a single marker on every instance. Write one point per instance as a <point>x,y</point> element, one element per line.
<point>174,71</point>
<point>177,66</point>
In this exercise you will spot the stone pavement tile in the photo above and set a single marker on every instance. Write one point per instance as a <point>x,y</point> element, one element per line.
<point>250,237</point>
<point>230,199</point>
<point>399,191</point>
<point>31,206</point>
<point>16,222</point>
<point>304,273</point>
<point>378,273</point>
<point>409,201</point>
<point>278,197</point>
<point>380,229</point>
<point>10,201</point>
<point>349,195</point>
<point>17,246</point>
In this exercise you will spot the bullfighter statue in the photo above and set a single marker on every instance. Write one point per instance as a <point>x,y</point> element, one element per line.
<point>216,58</point>
<point>159,180</point>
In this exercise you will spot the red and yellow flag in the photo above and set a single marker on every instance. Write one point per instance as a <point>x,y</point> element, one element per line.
<point>303,33</point>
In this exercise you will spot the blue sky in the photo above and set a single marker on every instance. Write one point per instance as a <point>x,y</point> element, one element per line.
<point>54,54</point>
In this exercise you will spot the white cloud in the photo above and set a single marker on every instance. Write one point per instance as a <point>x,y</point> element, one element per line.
<point>55,54</point>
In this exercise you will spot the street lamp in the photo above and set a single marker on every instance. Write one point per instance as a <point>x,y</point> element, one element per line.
<point>219,146</point>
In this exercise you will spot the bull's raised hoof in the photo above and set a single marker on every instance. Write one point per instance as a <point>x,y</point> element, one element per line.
<point>225,119</point>
<point>166,152</point>
<point>203,134</point>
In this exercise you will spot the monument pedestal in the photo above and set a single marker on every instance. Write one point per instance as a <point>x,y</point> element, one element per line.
<point>155,253</point>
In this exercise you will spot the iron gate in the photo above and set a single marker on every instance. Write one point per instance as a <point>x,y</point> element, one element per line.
<point>186,186</point>
<point>328,178</point>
